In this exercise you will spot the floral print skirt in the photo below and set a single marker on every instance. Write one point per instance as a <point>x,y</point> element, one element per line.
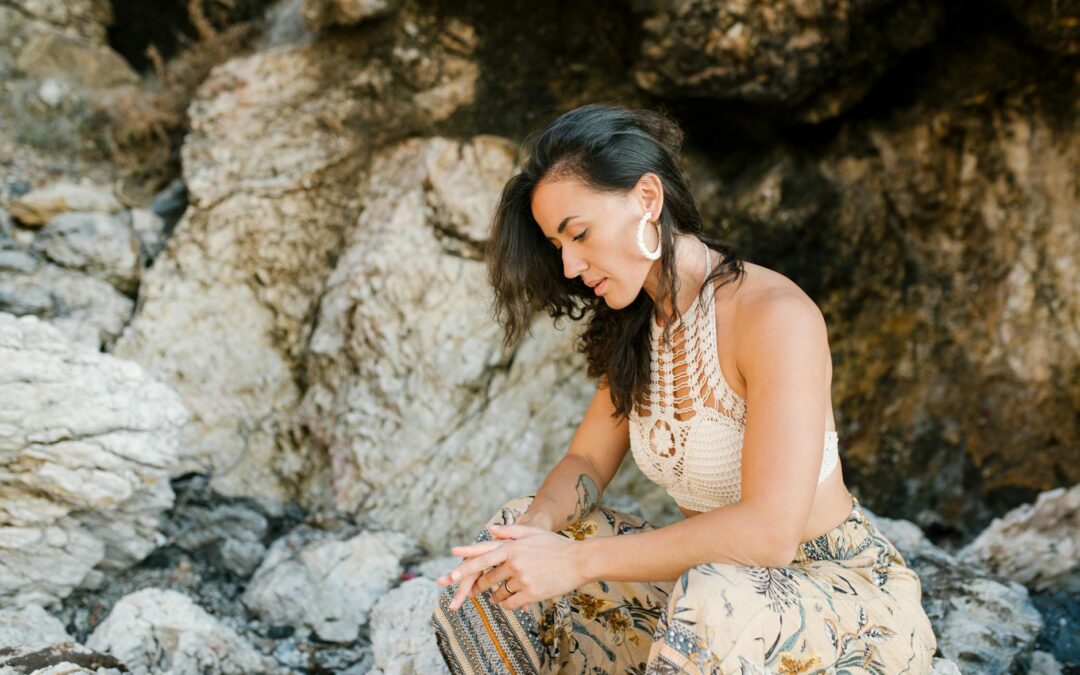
<point>848,603</point>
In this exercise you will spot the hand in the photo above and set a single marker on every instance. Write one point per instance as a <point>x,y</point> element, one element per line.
<point>538,563</point>
<point>536,519</point>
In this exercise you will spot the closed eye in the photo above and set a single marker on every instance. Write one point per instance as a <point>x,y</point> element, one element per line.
<point>577,238</point>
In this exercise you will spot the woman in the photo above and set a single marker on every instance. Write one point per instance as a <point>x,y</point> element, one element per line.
<point>715,373</point>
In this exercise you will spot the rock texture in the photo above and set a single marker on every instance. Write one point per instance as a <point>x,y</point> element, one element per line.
<point>1036,544</point>
<point>1052,24</point>
<point>87,444</point>
<point>942,242</point>
<point>40,206</point>
<point>410,392</point>
<point>30,627</point>
<point>91,65</point>
<point>99,245</point>
<point>982,624</point>
<point>321,14</point>
<point>271,165</point>
<point>401,637</point>
<point>811,59</point>
<point>63,658</point>
<point>230,533</point>
<point>315,580</point>
<point>58,36</point>
<point>86,309</point>
<point>312,289</point>
<point>161,631</point>
<point>75,259</point>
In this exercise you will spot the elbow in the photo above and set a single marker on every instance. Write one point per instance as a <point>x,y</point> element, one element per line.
<point>780,552</point>
<point>780,557</point>
<point>780,543</point>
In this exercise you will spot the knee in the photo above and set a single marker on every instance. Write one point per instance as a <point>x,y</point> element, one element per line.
<point>519,503</point>
<point>511,510</point>
<point>730,582</point>
<point>706,570</point>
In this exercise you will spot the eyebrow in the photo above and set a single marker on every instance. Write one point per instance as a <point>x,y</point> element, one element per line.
<point>562,225</point>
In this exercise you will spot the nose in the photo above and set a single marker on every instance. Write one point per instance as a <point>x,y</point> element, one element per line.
<point>573,264</point>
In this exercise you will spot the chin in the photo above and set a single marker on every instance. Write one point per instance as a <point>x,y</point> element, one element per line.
<point>614,304</point>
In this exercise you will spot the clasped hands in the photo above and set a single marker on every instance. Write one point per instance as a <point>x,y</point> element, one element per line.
<point>536,563</point>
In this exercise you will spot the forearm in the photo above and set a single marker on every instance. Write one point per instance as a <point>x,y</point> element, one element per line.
<point>733,534</point>
<point>569,493</point>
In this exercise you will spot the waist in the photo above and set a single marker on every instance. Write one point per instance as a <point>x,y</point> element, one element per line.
<point>845,541</point>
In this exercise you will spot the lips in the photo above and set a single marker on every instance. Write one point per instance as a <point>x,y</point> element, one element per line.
<point>595,283</point>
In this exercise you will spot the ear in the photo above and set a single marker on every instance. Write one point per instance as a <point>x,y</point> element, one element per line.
<point>650,194</point>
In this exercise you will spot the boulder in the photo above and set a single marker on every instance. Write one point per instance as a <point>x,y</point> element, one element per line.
<point>1037,545</point>
<point>162,631</point>
<point>318,581</point>
<point>97,244</point>
<point>983,624</point>
<point>86,309</point>
<point>429,425</point>
<point>30,627</point>
<point>807,58</point>
<point>42,205</point>
<point>402,640</point>
<point>278,144</point>
<point>87,444</point>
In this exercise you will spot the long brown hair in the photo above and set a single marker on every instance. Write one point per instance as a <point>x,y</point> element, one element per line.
<point>608,148</point>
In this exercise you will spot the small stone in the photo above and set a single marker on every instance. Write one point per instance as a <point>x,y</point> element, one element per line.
<point>40,206</point>
<point>53,91</point>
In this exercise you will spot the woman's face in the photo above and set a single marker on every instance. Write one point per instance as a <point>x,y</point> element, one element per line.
<point>598,241</point>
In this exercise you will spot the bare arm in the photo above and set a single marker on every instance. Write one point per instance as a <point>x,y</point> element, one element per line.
<point>782,353</point>
<point>573,487</point>
<point>568,494</point>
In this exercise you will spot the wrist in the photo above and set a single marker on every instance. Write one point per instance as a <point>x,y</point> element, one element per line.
<point>537,517</point>
<point>586,560</point>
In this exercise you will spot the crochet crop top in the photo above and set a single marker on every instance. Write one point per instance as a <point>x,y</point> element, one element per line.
<point>688,439</point>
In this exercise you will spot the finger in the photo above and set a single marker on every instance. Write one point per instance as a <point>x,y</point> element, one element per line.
<point>462,592</point>
<point>493,577</point>
<point>513,531</point>
<point>477,587</point>
<point>474,549</point>
<point>457,574</point>
<point>499,595</point>
<point>477,564</point>
<point>514,601</point>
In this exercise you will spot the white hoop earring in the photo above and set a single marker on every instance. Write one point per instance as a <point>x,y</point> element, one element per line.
<point>651,255</point>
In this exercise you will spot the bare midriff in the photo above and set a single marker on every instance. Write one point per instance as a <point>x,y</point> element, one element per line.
<point>832,504</point>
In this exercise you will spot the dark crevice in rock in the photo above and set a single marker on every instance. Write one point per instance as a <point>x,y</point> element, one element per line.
<point>539,59</point>
<point>167,25</point>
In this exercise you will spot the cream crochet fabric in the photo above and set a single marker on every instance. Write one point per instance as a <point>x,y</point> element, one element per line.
<point>688,439</point>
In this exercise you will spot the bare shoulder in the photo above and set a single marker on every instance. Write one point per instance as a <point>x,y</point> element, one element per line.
<point>770,310</point>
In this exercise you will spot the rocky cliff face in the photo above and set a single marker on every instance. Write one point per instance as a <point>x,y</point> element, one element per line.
<point>297,332</point>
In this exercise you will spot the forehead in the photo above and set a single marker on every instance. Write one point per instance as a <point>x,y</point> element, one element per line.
<point>555,199</point>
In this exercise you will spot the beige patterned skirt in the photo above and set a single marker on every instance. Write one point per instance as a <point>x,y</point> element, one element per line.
<point>848,603</point>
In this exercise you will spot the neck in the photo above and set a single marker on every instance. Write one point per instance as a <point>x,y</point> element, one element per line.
<point>689,270</point>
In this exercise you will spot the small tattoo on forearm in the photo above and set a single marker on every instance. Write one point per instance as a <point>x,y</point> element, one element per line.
<point>587,494</point>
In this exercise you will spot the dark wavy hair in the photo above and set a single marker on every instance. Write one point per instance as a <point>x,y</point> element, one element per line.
<point>608,148</point>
